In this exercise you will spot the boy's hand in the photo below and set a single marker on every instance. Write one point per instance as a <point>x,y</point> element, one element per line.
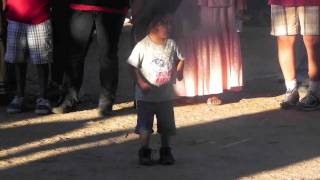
<point>180,75</point>
<point>144,86</point>
<point>180,67</point>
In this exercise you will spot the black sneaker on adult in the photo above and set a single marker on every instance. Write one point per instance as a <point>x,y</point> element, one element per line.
<point>145,156</point>
<point>69,104</point>
<point>166,157</point>
<point>310,102</point>
<point>105,107</point>
<point>43,106</point>
<point>291,99</point>
<point>16,105</point>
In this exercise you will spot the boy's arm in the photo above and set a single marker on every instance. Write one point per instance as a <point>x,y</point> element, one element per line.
<point>141,82</point>
<point>180,67</point>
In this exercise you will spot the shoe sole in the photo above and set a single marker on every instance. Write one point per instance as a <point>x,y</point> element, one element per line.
<point>166,163</point>
<point>288,106</point>
<point>42,112</point>
<point>14,111</point>
<point>152,163</point>
<point>309,109</point>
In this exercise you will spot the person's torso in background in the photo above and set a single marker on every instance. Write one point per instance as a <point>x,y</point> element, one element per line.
<point>27,11</point>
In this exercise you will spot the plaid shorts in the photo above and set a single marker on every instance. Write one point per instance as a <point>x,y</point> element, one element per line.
<point>32,42</point>
<point>304,20</point>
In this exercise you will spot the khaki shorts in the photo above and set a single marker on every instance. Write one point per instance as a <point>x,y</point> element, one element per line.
<point>304,20</point>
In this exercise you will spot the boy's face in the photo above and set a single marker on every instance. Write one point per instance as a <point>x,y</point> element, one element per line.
<point>163,29</point>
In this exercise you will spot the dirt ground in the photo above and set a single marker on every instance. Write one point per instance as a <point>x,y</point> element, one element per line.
<point>246,138</point>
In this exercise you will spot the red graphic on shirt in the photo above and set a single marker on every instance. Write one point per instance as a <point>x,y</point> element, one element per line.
<point>163,78</point>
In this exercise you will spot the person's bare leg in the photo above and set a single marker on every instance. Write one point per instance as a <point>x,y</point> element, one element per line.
<point>145,151</point>
<point>312,44</point>
<point>144,140</point>
<point>287,56</point>
<point>311,101</point>
<point>286,46</point>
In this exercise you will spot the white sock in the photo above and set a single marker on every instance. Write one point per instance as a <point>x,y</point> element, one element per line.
<point>291,85</point>
<point>314,86</point>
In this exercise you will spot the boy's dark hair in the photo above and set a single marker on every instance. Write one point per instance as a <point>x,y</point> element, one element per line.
<point>160,18</point>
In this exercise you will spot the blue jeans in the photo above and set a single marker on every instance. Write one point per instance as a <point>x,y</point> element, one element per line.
<point>108,28</point>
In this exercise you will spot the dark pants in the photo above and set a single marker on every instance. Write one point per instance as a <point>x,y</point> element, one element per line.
<point>108,28</point>
<point>60,23</point>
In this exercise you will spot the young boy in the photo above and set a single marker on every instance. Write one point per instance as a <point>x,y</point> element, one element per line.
<point>29,36</point>
<point>156,62</point>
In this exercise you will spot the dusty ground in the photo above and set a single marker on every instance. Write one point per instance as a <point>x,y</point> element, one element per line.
<point>246,138</point>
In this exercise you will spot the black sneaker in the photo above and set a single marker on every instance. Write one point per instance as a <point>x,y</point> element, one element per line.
<point>291,99</point>
<point>166,157</point>
<point>145,156</point>
<point>16,105</point>
<point>69,104</point>
<point>310,102</point>
<point>43,107</point>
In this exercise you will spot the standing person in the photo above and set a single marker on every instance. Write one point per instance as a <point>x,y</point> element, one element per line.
<point>208,36</point>
<point>155,63</point>
<point>290,18</point>
<point>106,18</point>
<point>29,33</point>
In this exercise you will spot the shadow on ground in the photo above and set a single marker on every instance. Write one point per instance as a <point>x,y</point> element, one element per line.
<point>227,148</point>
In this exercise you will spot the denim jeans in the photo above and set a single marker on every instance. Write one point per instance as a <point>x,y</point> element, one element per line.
<point>108,29</point>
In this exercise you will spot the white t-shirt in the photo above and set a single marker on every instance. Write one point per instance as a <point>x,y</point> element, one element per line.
<point>157,64</point>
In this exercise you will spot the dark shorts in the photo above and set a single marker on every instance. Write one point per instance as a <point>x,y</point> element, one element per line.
<point>165,117</point>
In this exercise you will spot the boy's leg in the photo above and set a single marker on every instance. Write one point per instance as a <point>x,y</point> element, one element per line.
<point>144,139</point>
<point>165,140</point>
<point>145,114</point>
<point>109,28</point>
<point>166,128</point>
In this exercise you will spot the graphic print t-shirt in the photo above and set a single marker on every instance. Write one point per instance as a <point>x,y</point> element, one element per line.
<point>157,64</point>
